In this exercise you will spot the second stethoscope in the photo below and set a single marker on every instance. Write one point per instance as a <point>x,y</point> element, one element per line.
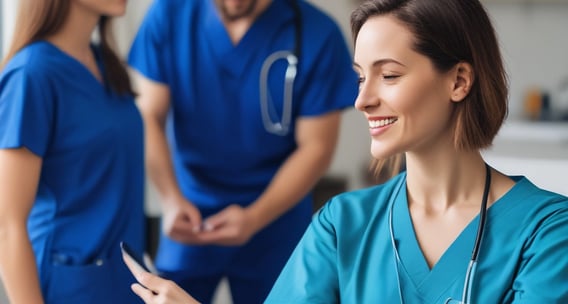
<point>282,125</point>
<point>471,268</point>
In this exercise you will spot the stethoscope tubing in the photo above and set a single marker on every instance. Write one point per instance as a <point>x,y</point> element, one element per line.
<point>282,126</point>
<point>472,265</point>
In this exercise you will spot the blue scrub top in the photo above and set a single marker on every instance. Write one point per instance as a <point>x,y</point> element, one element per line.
<point>223,154</point>
<point>90,191</point>
<point>347,256</point>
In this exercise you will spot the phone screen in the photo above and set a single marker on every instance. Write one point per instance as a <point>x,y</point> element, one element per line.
<point>137,258</point>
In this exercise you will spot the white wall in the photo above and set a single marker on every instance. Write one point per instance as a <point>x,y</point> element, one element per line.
<point>7,20</point>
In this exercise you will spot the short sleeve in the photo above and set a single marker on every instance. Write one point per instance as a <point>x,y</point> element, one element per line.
<point>543,272</point>
<point>332,84</point>
<point>310,275</point>
<point>148,52</point>
<point>26,111</point>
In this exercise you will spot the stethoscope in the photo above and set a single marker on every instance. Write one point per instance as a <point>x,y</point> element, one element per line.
<point>281,126</point>
<point>471,268</point>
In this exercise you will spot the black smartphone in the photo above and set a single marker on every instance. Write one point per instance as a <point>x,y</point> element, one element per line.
<point>134,256</point>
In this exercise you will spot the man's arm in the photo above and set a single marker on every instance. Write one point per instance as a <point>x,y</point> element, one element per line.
<point>316,138</point>
<point>180,218</point>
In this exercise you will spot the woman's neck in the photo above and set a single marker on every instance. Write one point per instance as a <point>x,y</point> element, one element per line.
<point>442,181</point>
<point>74,37</point>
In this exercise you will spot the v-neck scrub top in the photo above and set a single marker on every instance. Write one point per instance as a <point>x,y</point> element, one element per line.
<point>90,191</point>
<point>222,153</point>
<point>346,255</point>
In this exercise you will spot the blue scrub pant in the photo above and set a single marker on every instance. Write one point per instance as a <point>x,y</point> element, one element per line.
<point>251,269</point>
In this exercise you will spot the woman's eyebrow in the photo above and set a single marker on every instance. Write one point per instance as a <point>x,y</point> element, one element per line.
<point>380,62</point>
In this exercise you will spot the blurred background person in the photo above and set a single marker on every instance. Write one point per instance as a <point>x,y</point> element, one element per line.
<point>71,157</point>
<point>254,91</point>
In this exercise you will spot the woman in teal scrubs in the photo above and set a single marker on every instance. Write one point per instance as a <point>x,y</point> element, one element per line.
<point>432,86</point>
<point>71,158</point>
<point>450,229</point>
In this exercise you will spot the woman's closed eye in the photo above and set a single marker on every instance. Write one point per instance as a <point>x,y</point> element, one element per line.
<point>390,76</point>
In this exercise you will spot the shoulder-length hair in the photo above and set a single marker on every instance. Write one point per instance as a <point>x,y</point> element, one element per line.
<point>39,19</point>
<point>449,32</point>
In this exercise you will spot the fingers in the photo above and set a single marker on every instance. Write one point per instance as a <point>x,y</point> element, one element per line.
<point>194,217</point>
<point>145,294</point>
<point>185,223</point>
<point>215,221</point>
<point>132,266</point>
<point>150,264</point>
<point>227,227</point>
<point>181,228</point>
<point>148,280</point>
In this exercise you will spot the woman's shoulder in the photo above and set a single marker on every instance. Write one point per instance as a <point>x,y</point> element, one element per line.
<point>532,206</point>
<point>36,59</point>
<point>525,190</point>
<point>367,200</point>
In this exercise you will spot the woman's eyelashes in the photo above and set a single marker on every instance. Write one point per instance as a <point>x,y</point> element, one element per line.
<point>386,77</point>
<point>390,77</point>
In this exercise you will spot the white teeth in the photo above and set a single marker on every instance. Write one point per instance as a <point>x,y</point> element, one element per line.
<point>381,123</point>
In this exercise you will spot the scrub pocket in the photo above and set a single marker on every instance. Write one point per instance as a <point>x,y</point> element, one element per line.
<point>102,281</point>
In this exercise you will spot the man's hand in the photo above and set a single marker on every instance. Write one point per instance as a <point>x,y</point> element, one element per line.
<point>181,220</point>
<point>231,226</point>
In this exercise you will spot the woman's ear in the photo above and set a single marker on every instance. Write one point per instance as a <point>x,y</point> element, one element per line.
<point>463,77</point>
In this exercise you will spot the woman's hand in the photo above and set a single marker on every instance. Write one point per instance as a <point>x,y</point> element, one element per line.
<point>154,290</point>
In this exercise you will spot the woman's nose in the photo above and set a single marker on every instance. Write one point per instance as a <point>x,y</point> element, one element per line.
<point>366,98</point>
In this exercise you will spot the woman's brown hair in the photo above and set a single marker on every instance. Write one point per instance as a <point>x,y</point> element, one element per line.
<point>449,32</point>
<point>39,19</point>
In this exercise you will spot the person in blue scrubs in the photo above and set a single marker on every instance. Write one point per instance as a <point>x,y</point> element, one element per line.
<point>450,229</point>
<point>71,158</point>
<point>234,146</point>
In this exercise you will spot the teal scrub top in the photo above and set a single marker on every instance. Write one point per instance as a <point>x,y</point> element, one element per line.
<point>91,187</point>
<point>346,255</point>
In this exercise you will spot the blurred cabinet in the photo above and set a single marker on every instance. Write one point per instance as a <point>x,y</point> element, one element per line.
<point>538,151</point>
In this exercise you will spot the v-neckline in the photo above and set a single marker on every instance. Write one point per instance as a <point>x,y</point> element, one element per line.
<point>452,264</point>
<point>235,58</point>
<point>101,82</point>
